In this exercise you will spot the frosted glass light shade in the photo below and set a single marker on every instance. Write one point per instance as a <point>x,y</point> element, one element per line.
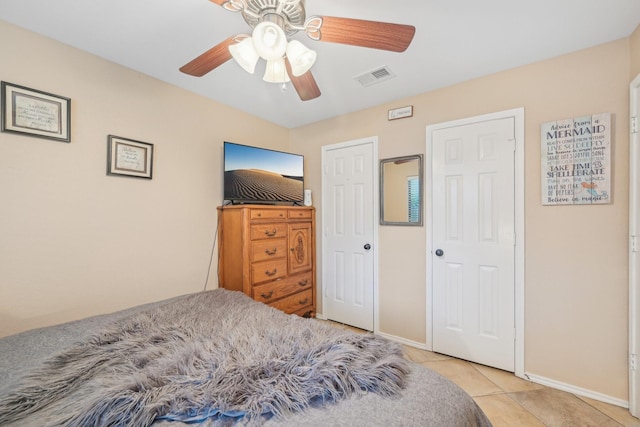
<point>245,54</point>
<point>300,57</point>
<point>276,72</point>
<point>269,40</point>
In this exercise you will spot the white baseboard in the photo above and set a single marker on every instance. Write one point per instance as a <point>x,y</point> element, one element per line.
<point>404,341</point>
<point>397,339</point>
<point>579,391</point>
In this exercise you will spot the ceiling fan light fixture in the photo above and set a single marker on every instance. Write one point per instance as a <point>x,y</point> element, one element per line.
<point>300,57</point>
<point>245,54</point>
<point>276,72</point>
<point>273,21</point>
<point>269,40</point>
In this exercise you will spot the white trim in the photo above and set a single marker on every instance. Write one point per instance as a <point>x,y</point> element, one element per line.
<point>428,225</point>
<point>578,391</point>
<point>373,140</point>
<point>519,249</point>
<point>634,278</point>
<point>518,115</point>
<point>401,340</point>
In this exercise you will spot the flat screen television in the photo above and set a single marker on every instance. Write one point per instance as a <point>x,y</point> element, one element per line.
<point>260,175</point>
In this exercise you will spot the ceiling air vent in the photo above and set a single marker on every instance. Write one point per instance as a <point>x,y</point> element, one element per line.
<point>375,76</point>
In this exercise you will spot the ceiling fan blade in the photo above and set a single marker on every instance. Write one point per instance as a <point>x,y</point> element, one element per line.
<point>213,58</point>
<point>305,84</point>
<point>231,5</point>
<point>359,32</point>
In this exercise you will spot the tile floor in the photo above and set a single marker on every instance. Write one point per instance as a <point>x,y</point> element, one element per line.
<point>510,401</point>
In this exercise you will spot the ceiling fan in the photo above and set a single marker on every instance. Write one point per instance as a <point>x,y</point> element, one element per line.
<point>272,21</point>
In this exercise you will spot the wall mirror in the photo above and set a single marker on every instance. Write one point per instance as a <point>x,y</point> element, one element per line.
<point>401,190</point>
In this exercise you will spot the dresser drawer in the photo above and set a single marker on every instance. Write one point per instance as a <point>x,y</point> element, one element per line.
<point>268,214</point>
<point>268,231</point>
<point>300,214</point>
<point>294,302</point>
<point>307,311</point>
<point>280,288</point>
<point>268,270</point>
<point>262,250</point>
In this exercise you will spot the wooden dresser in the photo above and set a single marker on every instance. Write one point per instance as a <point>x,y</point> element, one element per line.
<point>268,252</point>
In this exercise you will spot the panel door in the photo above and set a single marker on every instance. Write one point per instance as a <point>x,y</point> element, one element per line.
<point>348,258</point>
<point>474,242</point>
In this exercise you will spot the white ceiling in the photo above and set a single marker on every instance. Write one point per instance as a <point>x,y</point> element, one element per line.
<point>456,40</point>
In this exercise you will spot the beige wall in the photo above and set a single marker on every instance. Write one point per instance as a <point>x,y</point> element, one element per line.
<point>576,256</point>
<point>634,40</point>
<point>74,241</point>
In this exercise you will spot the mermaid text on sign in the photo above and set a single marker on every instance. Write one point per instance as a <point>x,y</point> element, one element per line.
<point>576,160</point>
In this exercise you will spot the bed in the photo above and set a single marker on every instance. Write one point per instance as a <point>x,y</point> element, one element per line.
<point>218,358</point>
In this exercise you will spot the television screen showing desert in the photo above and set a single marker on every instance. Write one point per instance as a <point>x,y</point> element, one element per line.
<point>253,174</point>
<point>260,185</point>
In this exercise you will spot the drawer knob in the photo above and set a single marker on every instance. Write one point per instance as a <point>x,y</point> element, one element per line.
<point>271,273</point>
<point>303,282</point>
<point>304,301</point>
<point>271,252</point>
<point>270,233</point>
<point>266,295</point>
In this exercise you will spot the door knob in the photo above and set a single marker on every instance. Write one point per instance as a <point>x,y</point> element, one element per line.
<point>367,247</point>
<point>439,252</point>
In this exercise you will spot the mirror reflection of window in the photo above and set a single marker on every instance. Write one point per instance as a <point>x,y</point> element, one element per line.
<point>413,199</point>
<point>401,191</point>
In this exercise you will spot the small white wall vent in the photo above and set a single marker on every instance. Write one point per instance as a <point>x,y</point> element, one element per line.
<point>375,76</point>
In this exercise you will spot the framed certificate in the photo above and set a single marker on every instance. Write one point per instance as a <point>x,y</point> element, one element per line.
<point>35,113</point>
<point>129,157</point>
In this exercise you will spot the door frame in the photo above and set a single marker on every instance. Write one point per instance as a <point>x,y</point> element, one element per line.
<point>634,261</point>
<point>518,115</point>
<point>373,142</point>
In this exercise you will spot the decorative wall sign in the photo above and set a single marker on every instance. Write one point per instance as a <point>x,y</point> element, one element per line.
<point>401,113</point>
<point>35,113</point>
<point>576,160</point>
<point>130,158</point>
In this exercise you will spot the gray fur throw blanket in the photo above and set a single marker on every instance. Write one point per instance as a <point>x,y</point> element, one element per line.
<point>211,354</point>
